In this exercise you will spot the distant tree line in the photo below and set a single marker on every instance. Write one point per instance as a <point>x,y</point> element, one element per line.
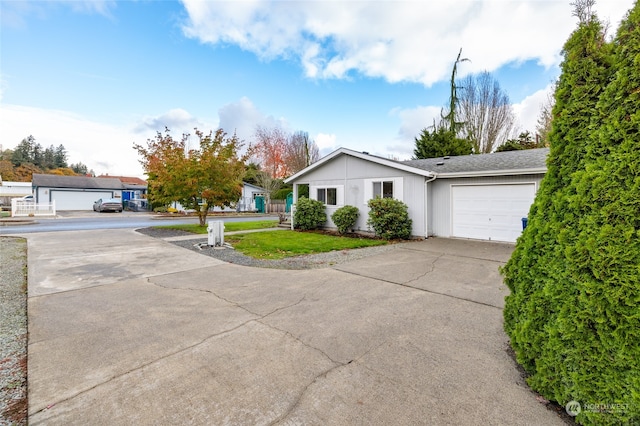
<point>29,157</point>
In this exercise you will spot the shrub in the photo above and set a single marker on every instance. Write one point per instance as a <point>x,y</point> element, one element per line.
<point>573,314</point>
<point>309,214</point>
<point>345,217</point>
<point>281,194</point>
<point>161,209</point>
<point>389,218</point>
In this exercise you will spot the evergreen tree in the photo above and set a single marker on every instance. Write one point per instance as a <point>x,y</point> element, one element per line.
<point>80,169</point>
<point>438,142</point>
<point>37,156</point>
<point>573,315</point>
<point>60,157</point>
<point>24,151</point>
<point>48,159</point>
<point>524,141</point>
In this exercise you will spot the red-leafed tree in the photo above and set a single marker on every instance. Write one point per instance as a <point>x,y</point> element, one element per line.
<point>271,151</point>
<point>281,154</point>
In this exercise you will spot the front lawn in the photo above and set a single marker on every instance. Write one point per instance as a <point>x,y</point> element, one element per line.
<point>280,244</point>
<point>228,226</point>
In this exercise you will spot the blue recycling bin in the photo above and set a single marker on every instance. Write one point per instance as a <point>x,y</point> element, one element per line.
<point>524,223</point>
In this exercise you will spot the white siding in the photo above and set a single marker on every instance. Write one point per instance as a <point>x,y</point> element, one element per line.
<point>353,176</point>
<point>74,199</point>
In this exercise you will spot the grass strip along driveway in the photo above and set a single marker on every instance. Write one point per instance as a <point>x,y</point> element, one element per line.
<point>272,245</point>
<point>228,226</point>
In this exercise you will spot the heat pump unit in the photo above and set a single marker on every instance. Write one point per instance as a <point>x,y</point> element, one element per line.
<point>215,229</point>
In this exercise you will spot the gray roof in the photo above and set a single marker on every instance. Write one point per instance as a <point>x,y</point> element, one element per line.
<point>84,182</point>
<point>533,160</point>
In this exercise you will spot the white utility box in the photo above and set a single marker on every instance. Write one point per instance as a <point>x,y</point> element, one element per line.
<point>215,229</point>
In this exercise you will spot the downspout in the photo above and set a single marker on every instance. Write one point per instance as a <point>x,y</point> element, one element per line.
<point>426,205</point>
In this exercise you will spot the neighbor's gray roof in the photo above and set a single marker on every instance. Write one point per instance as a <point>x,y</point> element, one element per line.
<point>527,160</point>
<point>86,182</point>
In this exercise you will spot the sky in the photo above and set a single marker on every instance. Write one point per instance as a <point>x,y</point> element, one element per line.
<point>100,76</point>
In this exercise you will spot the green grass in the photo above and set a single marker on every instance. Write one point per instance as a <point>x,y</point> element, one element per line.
<point>228,226</point>
<point>281,244</point>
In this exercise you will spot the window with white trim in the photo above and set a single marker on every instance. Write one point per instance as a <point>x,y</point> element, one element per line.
<point>329,196</point>
<point>383,189</point>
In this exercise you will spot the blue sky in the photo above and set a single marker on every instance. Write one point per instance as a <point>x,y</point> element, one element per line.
<point>97,76</point>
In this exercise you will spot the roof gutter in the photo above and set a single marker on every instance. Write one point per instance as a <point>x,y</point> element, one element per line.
<point>481,173</point>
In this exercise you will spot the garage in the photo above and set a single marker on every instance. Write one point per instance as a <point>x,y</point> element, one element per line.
<point>490,212</point>
<point>76,200</point>
<point>74,192</point>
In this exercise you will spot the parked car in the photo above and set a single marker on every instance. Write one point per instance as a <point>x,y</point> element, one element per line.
<point>108,205</point>
<point>28,198</point>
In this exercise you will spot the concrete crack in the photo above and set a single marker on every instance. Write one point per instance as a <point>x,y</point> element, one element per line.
<point>231,302</point>
<point>323,374</point>
<point>433,268</point>
<point>297,401</point>
<point>454,255</point>
<point>258,318</point>
<point>284,307</point>
<point>146,364</point>
<point>212,336</point>
<point>420,289</point>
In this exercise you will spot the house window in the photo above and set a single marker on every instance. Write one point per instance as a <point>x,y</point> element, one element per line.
<point>328,196</point>
<point>383,189</point>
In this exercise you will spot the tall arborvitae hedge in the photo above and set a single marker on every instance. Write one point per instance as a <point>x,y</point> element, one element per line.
<point>574,310</point>
<point>537,261</point>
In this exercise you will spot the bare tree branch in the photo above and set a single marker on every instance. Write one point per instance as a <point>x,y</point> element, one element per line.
<point>486,114</point>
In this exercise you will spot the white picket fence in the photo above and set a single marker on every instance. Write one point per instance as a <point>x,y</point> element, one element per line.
<point>29,208</point>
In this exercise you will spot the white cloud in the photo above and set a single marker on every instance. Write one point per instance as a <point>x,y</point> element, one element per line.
<point>326,143</point>
<point>243,117</point>
<point>399,41</point>
<point>177,120</point>
<point>17,14</point>
<point>529,109</point>
<point>108,148</point>
<point>102,147</point>
<point>413,120</point>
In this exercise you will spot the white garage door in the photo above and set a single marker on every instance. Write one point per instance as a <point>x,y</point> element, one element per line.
<point>490,212</point>
<point>77,200</point>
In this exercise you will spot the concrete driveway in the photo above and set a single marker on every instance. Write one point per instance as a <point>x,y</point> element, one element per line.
<point>127,329</point>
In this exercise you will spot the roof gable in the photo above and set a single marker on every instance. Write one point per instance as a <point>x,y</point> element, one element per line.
<point>364,156</point>
<point>529,161</point>
<point>250,185</point>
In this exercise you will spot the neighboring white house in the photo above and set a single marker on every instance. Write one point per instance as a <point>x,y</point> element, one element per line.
<point>74,192</point>
<point>480,197</point>
<point>246,203</point>
<point>9,190</point>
